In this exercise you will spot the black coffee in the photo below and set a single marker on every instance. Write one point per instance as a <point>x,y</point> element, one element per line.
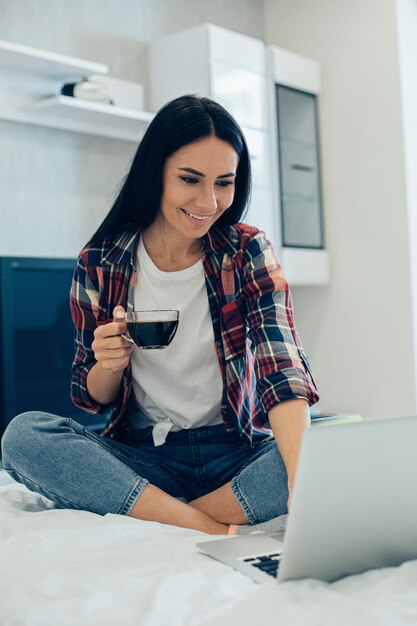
<point>152,335</point>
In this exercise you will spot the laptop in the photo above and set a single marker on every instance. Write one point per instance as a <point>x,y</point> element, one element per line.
<point>354,507</point>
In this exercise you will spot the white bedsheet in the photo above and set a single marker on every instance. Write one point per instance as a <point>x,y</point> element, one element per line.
<point>62,567</point>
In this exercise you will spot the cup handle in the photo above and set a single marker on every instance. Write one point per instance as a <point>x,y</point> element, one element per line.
<point>128,338</point>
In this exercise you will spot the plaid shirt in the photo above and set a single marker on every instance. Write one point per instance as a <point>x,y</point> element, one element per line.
<point>260,353</point>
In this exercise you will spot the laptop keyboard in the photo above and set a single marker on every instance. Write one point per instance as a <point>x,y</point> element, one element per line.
<point>268,563</point>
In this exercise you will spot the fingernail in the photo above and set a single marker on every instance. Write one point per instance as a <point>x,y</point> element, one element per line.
<point>120,314</point>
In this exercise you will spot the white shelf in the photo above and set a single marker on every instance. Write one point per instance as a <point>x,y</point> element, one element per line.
<point>17,57</point>
<point>93,117</point>
<point>30,85</point>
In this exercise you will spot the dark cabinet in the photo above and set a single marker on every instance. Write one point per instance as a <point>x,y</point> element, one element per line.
<point>37,339</point>
<point>299,169</point>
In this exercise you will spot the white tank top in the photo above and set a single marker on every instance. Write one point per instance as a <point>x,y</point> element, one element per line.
<point>181,385</point>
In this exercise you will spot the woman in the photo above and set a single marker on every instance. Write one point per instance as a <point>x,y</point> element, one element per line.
<point>187,440</point>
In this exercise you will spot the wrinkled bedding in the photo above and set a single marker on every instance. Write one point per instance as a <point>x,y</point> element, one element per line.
<point>62,567</point>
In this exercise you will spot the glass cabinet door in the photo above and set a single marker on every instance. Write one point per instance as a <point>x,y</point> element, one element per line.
<point>242,92</point>
<point>299,169</point>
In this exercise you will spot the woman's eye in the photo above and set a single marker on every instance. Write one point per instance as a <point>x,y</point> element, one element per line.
<point>192,181</point>
<point>225,183</point>
<point>189,181</point>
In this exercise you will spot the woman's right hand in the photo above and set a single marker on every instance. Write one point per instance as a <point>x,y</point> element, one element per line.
<point>111,350</point>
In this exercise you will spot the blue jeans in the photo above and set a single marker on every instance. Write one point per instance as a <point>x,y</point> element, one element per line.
<point>79,469</point>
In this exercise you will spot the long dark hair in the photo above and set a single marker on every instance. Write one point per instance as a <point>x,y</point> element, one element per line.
<point>178,123</point>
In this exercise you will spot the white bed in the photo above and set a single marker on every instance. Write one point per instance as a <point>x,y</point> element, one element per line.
<point>62,567</point>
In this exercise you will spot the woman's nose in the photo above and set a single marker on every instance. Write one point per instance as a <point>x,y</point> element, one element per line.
<point>206,199</point>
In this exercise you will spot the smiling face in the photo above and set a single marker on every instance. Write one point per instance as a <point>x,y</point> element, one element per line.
<point>198,186</point>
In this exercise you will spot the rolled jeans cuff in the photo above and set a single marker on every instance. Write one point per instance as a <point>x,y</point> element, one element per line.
<point>135,493</point>
<point>250,514</point>
<point>261,487</point>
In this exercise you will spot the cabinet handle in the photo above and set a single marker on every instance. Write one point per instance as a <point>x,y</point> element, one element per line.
<point>301,168</point>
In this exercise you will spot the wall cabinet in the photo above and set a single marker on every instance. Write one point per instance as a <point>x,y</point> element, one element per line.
<point>294,84</point>
<point>230,68</point>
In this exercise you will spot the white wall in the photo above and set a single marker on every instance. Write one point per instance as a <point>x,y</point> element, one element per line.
<point>407,37</point>
<point>357,330</point>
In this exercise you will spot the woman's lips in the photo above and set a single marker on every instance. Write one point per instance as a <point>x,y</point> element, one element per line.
<point>199,222</point>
